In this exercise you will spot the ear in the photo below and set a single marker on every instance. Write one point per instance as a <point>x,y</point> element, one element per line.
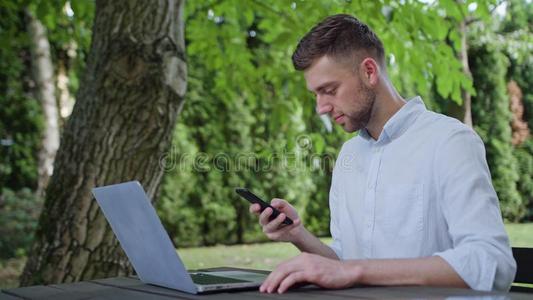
<point>369,71</point>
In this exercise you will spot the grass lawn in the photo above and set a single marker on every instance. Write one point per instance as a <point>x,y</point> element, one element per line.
<point>266,256</point>
<point>257,256</point>
<point>521,235</point>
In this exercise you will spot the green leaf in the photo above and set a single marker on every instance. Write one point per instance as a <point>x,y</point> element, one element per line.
<point>318,143</point>
<point>444,85</point>
<point>81,8</point>
<point>248,17</point>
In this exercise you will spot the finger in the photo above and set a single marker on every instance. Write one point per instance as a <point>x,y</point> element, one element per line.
<point>271,283</point>
<point>295,223</point>
<point>263,217</point>
<point>274,224</point>
<point>290,280</point>
<point>278,232</point>
<point>276,235</point>
<point>265,286</point>
<point>285,227</point>
<point>255,208</point>
<point>282,270</point>
<point>266,283</point>
<point>281,230</point>
<point>278,203</point>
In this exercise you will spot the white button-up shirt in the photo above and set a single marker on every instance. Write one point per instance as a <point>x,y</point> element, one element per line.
<point>422,189</point>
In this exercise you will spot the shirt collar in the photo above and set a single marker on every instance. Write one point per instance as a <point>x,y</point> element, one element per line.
<point>400,121</point>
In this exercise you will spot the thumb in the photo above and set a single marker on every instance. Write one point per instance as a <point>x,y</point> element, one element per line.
<point>278,203</point>
<point>296,222</point>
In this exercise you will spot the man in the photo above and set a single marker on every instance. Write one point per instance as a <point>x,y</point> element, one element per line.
<point>411,197</point>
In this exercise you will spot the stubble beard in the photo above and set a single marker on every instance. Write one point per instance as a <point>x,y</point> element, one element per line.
<point>359,119</point>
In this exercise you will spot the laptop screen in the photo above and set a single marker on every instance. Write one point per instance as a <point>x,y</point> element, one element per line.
<point>142,236</point>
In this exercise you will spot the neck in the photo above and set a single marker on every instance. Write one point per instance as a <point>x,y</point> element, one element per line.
<point>387,103</point>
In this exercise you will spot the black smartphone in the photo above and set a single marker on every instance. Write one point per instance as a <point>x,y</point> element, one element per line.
<point>252,198</point>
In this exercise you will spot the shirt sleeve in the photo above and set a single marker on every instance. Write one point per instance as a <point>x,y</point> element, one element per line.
<point>481,254</point>
<point>334,199</point>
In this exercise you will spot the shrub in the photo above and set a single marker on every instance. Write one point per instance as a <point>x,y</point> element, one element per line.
<point>19,211</point>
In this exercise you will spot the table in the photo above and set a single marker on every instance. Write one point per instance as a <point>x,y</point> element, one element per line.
<point>133,288</point>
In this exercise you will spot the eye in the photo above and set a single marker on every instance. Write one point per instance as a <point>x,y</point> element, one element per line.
<point>330,92</point>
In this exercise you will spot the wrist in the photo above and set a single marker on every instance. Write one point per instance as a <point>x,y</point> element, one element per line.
<point>299,237</point>
<point>355,270</point>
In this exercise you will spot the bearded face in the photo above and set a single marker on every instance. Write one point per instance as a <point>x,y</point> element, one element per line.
<point>340,93</point>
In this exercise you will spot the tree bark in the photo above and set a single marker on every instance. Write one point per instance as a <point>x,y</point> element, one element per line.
<point>66,101</point>
<point>463,56</point>
<point>43,75</point>
<point>126,109</point>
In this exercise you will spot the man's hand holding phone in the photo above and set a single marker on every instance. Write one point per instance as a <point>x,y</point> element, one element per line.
<point>281,222</point>
<point>275,229</point>
<point>279,219</point>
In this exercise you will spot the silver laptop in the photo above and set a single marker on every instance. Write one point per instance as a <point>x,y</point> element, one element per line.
<point>149,249</point>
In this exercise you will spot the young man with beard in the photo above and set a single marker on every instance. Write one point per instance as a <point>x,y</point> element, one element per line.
<point>411,197</point>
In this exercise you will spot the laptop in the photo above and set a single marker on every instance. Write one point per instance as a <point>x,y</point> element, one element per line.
<point>136,225</point>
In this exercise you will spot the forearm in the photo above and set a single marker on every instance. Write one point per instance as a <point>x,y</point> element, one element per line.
<point>433,271</point>
<point>307,242</point>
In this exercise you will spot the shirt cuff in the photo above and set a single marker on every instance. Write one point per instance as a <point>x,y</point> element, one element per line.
<point>474,267</point>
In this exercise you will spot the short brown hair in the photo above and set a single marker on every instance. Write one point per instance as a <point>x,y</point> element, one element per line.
<point>338,36</point>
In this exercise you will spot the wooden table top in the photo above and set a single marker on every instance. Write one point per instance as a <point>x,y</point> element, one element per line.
<point>132,288</point>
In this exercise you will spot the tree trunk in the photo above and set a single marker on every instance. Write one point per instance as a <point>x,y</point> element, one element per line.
<point>66,101</point>
<point>122,123</point>
<point>43,75</point>
<point>463,56</point>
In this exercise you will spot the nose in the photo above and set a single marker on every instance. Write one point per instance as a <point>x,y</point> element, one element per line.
<point>322,106</point>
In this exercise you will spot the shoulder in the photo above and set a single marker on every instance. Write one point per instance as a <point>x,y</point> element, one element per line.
<point>444,129</point>
<point>440,122</point>
<point>454,145</point>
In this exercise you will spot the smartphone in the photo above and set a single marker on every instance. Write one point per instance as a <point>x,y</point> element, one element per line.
<point>252,198</point>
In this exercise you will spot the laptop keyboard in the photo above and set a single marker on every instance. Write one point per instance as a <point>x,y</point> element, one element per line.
<point>203,278</point>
